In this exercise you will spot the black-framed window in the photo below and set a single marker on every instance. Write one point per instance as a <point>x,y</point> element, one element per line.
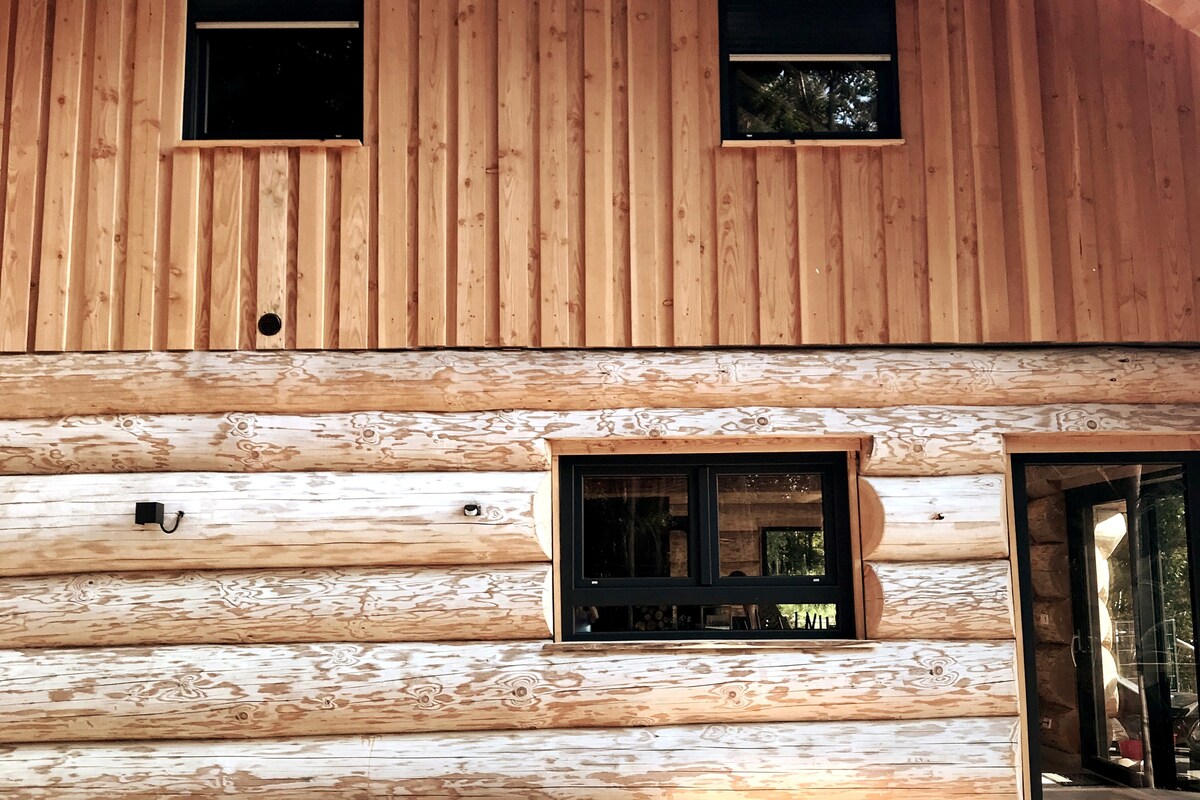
<point>706,546</point>
<point>809,69</point>
<point>274,69</point>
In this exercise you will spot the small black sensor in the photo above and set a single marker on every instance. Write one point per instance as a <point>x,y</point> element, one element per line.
<point>269,324</point>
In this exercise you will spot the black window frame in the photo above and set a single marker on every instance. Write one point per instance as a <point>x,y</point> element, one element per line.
<point>705,587</point>
<point>241,11</point>
<point>822,32</point>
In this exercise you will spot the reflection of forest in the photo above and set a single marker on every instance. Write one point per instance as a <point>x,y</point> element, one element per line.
<point>780,96</point>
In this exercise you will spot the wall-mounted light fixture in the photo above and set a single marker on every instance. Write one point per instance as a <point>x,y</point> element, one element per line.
<point>471,510</point>
<point>152,514</point>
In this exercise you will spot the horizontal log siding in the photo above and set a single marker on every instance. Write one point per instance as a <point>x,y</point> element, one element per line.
<point>1045,189</point>
<point>944,758</point>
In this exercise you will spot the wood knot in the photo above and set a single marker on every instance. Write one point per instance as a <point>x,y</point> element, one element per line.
<point>938,517</point>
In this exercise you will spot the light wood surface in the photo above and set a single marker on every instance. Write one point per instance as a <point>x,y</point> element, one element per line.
<point>77,523</point>
<point>514,161</point>
<point>329,605</point>
<point>858,760</point>
<point>252,691</point>
<point>933,519</point>
<point>909,441</point>
<point>947,600</point>
<point>119,383</point>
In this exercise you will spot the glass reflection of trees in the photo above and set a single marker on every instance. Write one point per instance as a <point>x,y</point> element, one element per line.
<point>800,98</point>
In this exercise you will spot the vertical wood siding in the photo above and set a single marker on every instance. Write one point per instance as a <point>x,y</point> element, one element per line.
<point>544,174</point>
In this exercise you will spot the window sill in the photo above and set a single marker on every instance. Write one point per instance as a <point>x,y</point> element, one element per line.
<point>812,142</point>
<point>253,144</point>
<point>705,646</point>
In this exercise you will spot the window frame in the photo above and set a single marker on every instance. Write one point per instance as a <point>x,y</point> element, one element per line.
<point>287,12</point>
<point>840,50</point>
<point>705,586</point>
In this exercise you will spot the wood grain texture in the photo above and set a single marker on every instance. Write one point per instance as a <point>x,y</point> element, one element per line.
<point>254,691</point>
<point>933,519</point>
<point>968,600</point>
<point>569,380</point>
<point>63,174</point>
<point>289,520</point>
<point>250,607</point>
<point>906,441</point>
<point>859,761</point>
<point>552,176</point>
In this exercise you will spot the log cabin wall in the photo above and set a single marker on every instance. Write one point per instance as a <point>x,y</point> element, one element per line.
<point>327,623</point>
<point>549,174</point>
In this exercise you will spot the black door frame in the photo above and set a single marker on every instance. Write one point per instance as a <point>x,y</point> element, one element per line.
<point>1018,463</point>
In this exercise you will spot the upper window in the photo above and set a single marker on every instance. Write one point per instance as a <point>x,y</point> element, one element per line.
<point>274,69</point>
<point>809,69</point>
<point>706,547</point>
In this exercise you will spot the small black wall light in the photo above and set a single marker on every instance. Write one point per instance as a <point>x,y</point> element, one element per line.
<point>472,510</point>
<point>152,514</point>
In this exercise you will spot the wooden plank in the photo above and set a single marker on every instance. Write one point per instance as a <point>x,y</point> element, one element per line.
<point>26,178</point>
<point>988,185</point>
<point>687,181</point>
<point>939,167</point>
<point>778,285</point>
<point>397,184</point>
<point>966,228</point>
<point>1032,200</point>
<point>933,519</point>
<point>62,177</point>
<point>271,291</point>
<point>1189,87</point>
<point>312,231</point>
<point>435,225</point>
<point>475,269</point>
<point>599,277</point>
<point>1166,142</point>
<point>859,761</point>
<point>709,142</point>
<point>287,520</point>
<point>650,177</point>
<point>354,289</point>
<point>864,269</point>
<point>517,87</point>
<point>288,690</point>
<point>553,173</point>
<point>225,297</point>
<point>563,380</point>
<point>947,600</point>
<point>904,196</point>
<point>821,306</point>
<point>737,251</point>
<point>107,140</point>
<point>254,607</point>
<point>184,254</point>
<point>145,190</point>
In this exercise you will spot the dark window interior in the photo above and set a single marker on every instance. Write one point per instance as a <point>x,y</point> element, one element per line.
<point>706,547</point>
<point>809,70</point>
<point>270,70</point>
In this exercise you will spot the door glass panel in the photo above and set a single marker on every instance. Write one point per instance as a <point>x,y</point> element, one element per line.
<point>1113,607</point>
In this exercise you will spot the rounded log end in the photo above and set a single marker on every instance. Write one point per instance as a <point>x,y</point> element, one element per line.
<point>872,601</point>
<point>870,518</point>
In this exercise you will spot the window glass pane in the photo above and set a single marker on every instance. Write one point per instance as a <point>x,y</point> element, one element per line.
<point>288,83</point>
<point>635,527</point>
<point>804,97</point>
<point>736,617</point>
<point>771,525</point>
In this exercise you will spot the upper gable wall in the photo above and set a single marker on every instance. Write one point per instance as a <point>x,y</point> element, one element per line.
<point>550,174</point>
